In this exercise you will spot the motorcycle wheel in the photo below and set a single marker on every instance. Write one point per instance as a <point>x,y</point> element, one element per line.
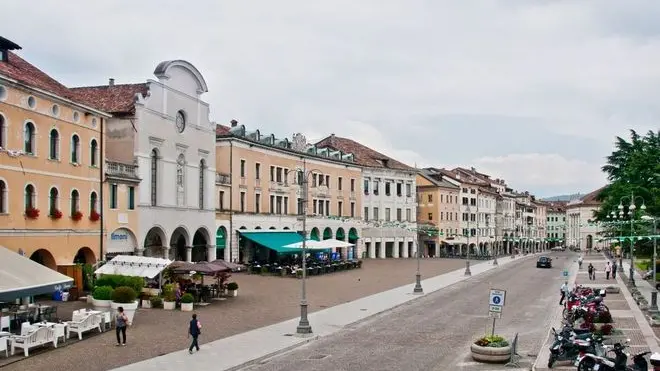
<point>551,360</point>
<point>586,364</point>
<point>564,313</point>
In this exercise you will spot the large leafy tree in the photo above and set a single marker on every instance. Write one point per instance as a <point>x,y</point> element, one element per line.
<point>633,168</point>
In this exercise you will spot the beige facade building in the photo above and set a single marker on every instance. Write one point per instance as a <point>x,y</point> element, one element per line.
<point>51,160</point>
<point>580,232</point>
<point>438,208</point>
<point>259,188</point>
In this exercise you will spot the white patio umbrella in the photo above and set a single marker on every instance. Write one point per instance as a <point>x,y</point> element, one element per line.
<point>330,243</point>
<point>309,244</point>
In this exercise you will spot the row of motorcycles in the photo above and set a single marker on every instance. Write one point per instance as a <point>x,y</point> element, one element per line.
<point>583,346</point>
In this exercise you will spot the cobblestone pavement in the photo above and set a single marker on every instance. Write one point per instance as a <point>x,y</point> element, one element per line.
<point>262,301</point>
<point>435,332</point>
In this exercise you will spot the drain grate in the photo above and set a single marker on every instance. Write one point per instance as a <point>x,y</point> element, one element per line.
<point>288,334</point>
<point>318,356</point>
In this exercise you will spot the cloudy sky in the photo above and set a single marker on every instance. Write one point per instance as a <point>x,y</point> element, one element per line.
<point>531,91</point>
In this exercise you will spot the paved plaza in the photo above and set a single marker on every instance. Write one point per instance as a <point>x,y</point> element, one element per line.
<point>262,301</point>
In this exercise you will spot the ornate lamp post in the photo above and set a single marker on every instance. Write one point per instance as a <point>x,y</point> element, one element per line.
<point>631,213</point>
<point>655,245</point>
<point>467,260</point>
<point>418,276</point>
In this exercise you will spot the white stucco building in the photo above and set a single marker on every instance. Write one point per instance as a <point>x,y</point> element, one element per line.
<point>163,127</point>
<point>579,212</point>
<point>389,203</point>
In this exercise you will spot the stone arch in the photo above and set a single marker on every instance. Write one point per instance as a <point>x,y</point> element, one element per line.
<point>85,255</point>
<point>244,227</point>
<point>179,241</point>
<point>590,242</point>
<point>286,228</point>
<point>340,234</point>
<point>154,241</point>
<point>200,242</point>
<point>221,237</point>
<point>327,233</point>
<point>162,71</point>
<point>272,228</point>
<point>257,227</point>
<point>486,248</point>
<point>314,234</point>
<point>45,258</point>
<point>353,235</point>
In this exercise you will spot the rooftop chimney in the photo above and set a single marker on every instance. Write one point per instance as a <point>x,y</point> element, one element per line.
<point>5,47</point>
<point>473,169</point>
<point>234,123</point>
<point>111,82</point>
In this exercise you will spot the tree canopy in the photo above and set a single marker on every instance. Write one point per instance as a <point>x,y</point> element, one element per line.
<point>633,168</point>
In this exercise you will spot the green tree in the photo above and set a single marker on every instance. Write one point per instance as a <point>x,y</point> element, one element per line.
<point>632,168</point>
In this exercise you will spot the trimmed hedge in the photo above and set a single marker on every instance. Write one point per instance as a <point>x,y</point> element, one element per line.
<point>124,295</point>
<point>117,280</point>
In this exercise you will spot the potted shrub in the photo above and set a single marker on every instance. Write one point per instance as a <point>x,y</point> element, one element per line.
<point>102,296</point>
<point>94,216</point>
<point>32,213</point>
<point>491,349</point>
<point>126,298</point>
<point>232,289</point>
<point>169,298</point>
<point>187,303</point>
<point>156,302</point>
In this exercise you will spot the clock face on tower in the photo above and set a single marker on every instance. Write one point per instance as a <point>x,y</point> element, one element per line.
<point>180,121</point>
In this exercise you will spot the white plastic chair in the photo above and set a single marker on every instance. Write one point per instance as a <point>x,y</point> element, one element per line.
<point>5,323</point>
<point>26,328</point>
<point>3,345</point>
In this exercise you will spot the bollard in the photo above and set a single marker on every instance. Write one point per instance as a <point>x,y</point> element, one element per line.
<point>654,301</point>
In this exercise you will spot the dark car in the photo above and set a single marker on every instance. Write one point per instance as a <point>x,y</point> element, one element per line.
<point>544,262</point>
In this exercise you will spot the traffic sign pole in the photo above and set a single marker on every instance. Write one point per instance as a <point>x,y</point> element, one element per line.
<point>496,299</point>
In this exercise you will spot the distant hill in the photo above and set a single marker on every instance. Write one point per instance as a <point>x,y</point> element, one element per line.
<point>564,197</point>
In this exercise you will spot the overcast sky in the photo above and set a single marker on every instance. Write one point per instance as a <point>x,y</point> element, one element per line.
<point>531,91</point>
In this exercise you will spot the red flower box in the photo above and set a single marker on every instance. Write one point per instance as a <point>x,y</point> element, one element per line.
<point>55,214</point>
<point>94,216</point>
<point>77,216</point>
<point>32,213</point>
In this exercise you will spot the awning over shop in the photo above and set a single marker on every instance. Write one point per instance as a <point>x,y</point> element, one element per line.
<point>330,243</point>
<point>135,266</point>
<point>21,277</point>
<point>275,240</point>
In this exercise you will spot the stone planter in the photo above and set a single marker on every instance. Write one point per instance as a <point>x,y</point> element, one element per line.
<point>101,303</point>
<point>490,354</point>
<point>643,305</point>
<point>232,292</point>
<point>169,305</point>
<point>186,307</point>
<point>90,299</point>
<point>146,303</point>
<point>129,309</point>
<point>151,292</point>
<point>654,322</point>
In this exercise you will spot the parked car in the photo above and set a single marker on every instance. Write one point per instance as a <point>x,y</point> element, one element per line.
<point>544,262</point>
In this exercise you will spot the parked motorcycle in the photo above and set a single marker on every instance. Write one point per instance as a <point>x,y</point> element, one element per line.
<point>567,347</point>
<point>655,361</point>
<point>593,362</point>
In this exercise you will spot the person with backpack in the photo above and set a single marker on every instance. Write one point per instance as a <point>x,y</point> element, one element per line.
<point>121,322</point>
<point>194,330</point>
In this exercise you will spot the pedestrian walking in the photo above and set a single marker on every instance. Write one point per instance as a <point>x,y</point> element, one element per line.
<point>614,267</point>
<point>580,262</point>
<point>121,322</point>
<point>194,330</point>
<point>563,291</point>
<point>608,269</point>
<point>591,271</point>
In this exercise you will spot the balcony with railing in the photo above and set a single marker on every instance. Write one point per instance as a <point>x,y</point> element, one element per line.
<point>120,170</point>
<point>222,178</point>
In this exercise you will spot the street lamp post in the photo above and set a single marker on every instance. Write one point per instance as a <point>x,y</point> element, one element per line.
<point>418,276</point>
<point>655,246</point>
<point>631,212</point>
<point>496,244</point>
<point>613,215</point>
<point>467,260</point>
<point>304,327</point>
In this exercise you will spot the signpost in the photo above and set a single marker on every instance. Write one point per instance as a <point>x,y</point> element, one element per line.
<point>565,273</point>
<point>496,300</point>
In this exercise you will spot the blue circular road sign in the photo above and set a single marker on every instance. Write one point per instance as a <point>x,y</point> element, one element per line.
<point>496,299</point>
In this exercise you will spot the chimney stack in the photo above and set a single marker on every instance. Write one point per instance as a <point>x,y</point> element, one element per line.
<point>234,123</point>
<point>111,82</point>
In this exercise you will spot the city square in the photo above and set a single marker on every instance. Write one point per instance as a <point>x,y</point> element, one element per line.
<point>271,188</point>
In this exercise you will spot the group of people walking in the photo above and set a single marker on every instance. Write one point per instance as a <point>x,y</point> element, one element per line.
<point>610,269</point>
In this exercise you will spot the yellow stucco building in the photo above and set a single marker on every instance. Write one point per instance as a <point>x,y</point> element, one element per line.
<point>51,168</point>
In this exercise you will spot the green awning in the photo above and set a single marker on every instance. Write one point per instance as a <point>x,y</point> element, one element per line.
<point>275,240</point>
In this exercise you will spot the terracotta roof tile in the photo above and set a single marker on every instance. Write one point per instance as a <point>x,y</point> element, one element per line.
<point>113,99</point>
<point>20,70</point>
<point>592,198</point>
<point>364,155</point>
<point>221,130</point>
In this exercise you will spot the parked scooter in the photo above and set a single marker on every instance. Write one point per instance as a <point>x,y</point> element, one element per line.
<point>593,362</point>
<point>655,361</point>
<point>567,347</point>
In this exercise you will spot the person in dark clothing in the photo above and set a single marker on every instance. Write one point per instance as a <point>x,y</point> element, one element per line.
<point>194,330</point>
<point>120,325</point>
<point>614,267</point>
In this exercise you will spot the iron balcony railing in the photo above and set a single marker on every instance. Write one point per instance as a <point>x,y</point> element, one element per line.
<point>221,178</point>
<point>121,170</point>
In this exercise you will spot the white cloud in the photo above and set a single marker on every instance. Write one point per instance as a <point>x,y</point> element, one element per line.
<point>537,170</point>
<point>583,70</point>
